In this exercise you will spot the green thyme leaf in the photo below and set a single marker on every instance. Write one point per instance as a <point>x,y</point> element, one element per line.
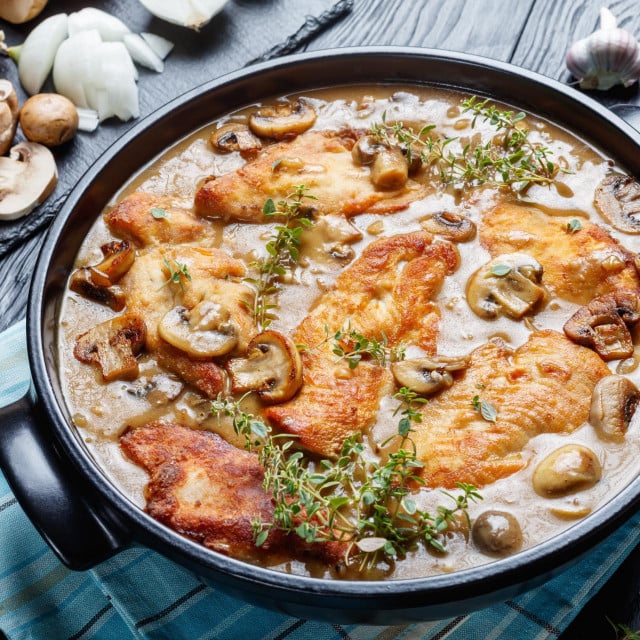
<point>573,226</point>
<point>158,213</point>
<point>500,270</point>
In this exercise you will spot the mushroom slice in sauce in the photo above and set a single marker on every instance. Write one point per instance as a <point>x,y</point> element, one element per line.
<point>613,404</point>
<point>566,470</point>
<point>451,226</point>
<point>603,324</point>
<point>271,367</point>
<point>497,533</point>
<point>427,375</point>
<point>617,199</point>
<point>282,120</point>
<point>97,282</point>
<point>235,136</point>
<point>205,331</point>
<point>389,163</point>
<point>112,346</point>
<point>508,285</point>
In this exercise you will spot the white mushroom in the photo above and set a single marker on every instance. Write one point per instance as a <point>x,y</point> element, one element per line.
<point>427,375</point>
<point>617,199</point>
<point>205,331</point>
<point>27,177</point>
<point>9,109</point>
<point>508,285</point>
<point>283,120</point>
<point>613,404</point>
<point>271,367</point>
<point>451,226</point>
<point>497,533</point>
<point>566,470</point>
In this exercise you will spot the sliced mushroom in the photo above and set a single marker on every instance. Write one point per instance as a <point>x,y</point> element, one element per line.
<point>112,346</point>
<point>8,115</point>
<point>451,226</point>
<point>282,120</point>
<point>334,235</point>
<point>271,367</point>
<point>27,177</point>
<point>390,170</point>
<point>206,331</point>
<point>603,324</point>
<point>497,533</point>
<point>613,404</point>
<point>566,470</point>
<point>507,285</point>
<point>427,375</point>
<point>235,136</point>
<point>617,198</point>
<point>97,282</point>
<point>366,149</point>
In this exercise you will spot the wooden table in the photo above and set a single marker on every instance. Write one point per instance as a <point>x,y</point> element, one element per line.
<point>534,34</point>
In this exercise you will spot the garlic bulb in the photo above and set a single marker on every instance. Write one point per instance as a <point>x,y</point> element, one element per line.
<point>607,57</point>
<point>193,14</point>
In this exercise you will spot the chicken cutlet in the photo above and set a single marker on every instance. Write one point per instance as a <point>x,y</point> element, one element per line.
<point>386,293</point>
<point>578,265</point>
<point>181,281</point>
<point>322,161</point>
<point>211,492</point>
<point>544,386</point>
<point>146,219</point>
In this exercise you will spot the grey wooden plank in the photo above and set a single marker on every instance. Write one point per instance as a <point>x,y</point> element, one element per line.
<point>456,25</point>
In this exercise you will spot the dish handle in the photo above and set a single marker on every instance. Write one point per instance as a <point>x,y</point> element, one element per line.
<point>630,113</point>
<point>50,491</point>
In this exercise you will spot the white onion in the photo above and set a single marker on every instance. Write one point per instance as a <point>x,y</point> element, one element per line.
<point>186,13</point>
<point>110,28</point>
<point>160,46</point>
<point>38,52</point>
<point>142,53</point>
<point>88,119</point>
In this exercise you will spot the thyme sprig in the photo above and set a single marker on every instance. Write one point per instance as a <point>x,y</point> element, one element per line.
<point>283,249</point>
<point>511,160</point>
<point>352,346</point>
<point>366,503</point>
<point>178,272</point>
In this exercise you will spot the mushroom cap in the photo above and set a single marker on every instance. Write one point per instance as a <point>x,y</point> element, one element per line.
<point>284,120</point>
<point>451,226</point>
<point>27,177</point>
<point>617,199</point>
<point>613,404</point>
<point>272,368</point>
<point>235,136</point>
<point>49,118</point>
<point>427,375</point>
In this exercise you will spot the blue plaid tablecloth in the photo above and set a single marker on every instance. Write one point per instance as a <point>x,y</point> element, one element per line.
<point>140,594</point>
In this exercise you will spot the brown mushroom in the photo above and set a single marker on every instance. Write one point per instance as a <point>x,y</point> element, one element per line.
<point>27,177</point>
<point>390,169</point>
<point>282,120</point>
<point>566,470</point>
<point>235,136</point>
<point>508,285</point>
<point>98,282</point>
<point>613,404</point>
<point>366,149</point>
<point>271,367</point>
<point>8,115</point>
<point>497,533</point>
<point>603,324</point>
<point>427,375</point>
<point>49,118</point>
<point>112,346</point>
<point>617,199</point>
<point>451,226</point>
<point>20,11</point>
<point>205,331</point>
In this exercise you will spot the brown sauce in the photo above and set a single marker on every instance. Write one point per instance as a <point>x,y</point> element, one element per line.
<point>101,412</point>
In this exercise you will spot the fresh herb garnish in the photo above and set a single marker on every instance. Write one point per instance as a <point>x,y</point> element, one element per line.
<point>158,213</point>
<point>283,250</point>
<point>353,499</point>
<point>500,270</point>
<point>352,346</point>
<point>487,410</point>
<point>177,273</point>
<point>573,226</point>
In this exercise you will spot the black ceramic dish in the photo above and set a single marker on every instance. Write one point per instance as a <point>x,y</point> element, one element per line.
<point>85,519</point>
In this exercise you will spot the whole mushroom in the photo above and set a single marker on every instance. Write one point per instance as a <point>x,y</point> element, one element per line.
<point>9,110</point>
<point>49,118</point>
<point>497,533</point>
<point>613,404</point>
<point>566,470</point>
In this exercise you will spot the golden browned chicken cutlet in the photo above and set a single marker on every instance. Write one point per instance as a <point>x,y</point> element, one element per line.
<point>322,162</point>
<point>545,386</point>
<point>146,219</point>
<point>194,310</point>
<point>202,487</point>
<point>387,292</point>
<point>578,266</point>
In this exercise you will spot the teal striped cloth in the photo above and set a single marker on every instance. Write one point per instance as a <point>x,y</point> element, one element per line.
<point>140,594</point>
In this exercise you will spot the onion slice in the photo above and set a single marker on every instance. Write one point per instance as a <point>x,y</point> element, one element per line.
<point>159,45</point>
<point>38,51</point>
<point>193,14</point>
<point>110,28</point>
<point>142,53</point>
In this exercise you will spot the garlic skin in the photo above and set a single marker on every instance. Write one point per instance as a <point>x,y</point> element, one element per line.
<point>609,56</point>
<point>192,14</point>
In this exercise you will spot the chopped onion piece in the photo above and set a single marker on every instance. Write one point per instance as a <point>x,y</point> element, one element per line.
<point>188,13</point>
<point>159,45</point>
<point>110,28</point>
<point>38,51</point>
<point>142,53</point>
<point>87,119</point>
